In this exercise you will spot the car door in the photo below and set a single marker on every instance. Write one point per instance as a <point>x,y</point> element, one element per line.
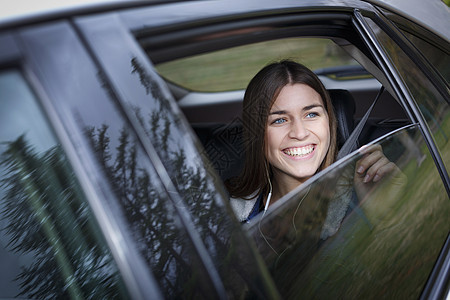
<point>159,228</point>
<point>203,250</point>
<point>372,247</point>
<point>418,58</point>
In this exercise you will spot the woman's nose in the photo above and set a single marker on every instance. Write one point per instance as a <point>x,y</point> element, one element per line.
<point>298,130</point>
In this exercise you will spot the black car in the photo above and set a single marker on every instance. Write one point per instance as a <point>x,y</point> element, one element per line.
<point>120,122</point>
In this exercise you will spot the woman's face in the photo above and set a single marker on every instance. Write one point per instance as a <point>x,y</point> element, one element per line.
<point>297,133</point>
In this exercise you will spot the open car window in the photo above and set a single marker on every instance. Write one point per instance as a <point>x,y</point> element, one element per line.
<point>320,241</point>
<point>210,72</point>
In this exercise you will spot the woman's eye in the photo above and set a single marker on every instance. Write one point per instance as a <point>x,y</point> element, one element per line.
<point>312,115</point>
<point>279,121</point>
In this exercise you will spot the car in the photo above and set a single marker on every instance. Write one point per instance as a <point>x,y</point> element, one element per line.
<point>121,123</point>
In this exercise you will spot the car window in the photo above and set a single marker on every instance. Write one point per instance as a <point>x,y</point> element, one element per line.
<point>434,49</point>
<point>143,203</point>
<point>432,103</point>
<point>139,146</point>
<point>232,69</point>
<point>322,240</point>
<point>50,243</point>
<point>438,57</point>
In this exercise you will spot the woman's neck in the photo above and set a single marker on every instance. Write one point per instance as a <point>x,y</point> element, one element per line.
<point>282,185</point>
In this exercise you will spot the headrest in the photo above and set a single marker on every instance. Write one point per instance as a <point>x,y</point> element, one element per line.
<point>344,109</point>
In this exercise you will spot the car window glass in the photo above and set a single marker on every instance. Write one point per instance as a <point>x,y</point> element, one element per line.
<point>232,69</point>
<point>324,240</point>
<point>143,204</point>
<point>433,105</point>
<point>435,49</point>
<point>177,221</point>
<point>50,243</point>
<point>439,58</point>
<point>152,216</point>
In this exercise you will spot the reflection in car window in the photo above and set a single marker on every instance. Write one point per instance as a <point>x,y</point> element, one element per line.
<point>152,217</point>
<point>439,58</point>
<point>211,72</point>
<point>434,106</point>
<point>199,196</point>
<point>156,216</point>
<point>195,191</point>
<point>323,241</point>
<point>50,247</point>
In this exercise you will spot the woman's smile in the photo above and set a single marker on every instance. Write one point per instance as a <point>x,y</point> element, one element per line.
<point>300,152</point>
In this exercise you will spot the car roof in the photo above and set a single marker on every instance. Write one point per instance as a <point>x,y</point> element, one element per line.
<point>29,11</point>
<point>431,14</point>
<point>26,8</point>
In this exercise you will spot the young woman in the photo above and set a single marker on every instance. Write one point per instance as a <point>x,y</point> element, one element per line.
<point>290,135</point>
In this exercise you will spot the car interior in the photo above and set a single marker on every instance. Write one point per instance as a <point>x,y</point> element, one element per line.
<point>216,55</point>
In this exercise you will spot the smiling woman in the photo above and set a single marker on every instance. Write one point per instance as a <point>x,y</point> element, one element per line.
<point>290,135</point>
<point>278,102</point>
<point>297,136</point>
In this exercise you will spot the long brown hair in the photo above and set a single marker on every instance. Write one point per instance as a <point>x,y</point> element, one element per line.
<point>259,97</point>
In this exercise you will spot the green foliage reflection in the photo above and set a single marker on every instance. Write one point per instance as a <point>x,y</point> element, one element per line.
<point>47,218</point>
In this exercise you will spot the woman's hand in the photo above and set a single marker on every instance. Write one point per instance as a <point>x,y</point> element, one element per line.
<point>372,168</point>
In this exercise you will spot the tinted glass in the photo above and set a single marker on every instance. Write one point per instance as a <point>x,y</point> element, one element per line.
<point>50,244</point>
<point>232,69</point>
<point>433,105</point>
<point>379,243</point>
<point>143,201</point>
<point>434,49</point>
<point>438,57</point>
<point>183,251</point>
<point>198,191</point>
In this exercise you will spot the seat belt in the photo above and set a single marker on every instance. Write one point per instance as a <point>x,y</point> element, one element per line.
<point>351,144</point>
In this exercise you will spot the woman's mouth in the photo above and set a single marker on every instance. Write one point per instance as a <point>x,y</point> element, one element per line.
<point>299,151</point>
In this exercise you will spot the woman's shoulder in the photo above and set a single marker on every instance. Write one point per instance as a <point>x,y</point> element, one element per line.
<point>243,207</point>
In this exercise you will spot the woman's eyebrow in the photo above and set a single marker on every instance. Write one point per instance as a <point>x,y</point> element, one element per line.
<point>312,106</point>
<point>278,112</point>
<point>306,108</point>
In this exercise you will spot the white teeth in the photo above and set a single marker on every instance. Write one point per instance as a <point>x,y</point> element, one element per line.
<point>299,151</point>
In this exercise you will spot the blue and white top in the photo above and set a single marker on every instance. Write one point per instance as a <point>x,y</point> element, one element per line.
<point>244,209</point>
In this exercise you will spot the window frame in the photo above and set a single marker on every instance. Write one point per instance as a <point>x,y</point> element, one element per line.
<point>373,40</point>
<point>39,73</point>
<point>392,82</point>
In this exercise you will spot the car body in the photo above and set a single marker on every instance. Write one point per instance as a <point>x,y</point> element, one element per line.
<point>116,142</point>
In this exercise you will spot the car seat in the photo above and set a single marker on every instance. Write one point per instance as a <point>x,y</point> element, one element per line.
<point>344,110</point>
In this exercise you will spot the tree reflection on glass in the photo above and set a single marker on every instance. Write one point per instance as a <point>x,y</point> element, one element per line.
<point>154,217</point>
<point>154,221</point>
<point>147,210</point>
<point>69,261</point>
<point>46,217</point>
